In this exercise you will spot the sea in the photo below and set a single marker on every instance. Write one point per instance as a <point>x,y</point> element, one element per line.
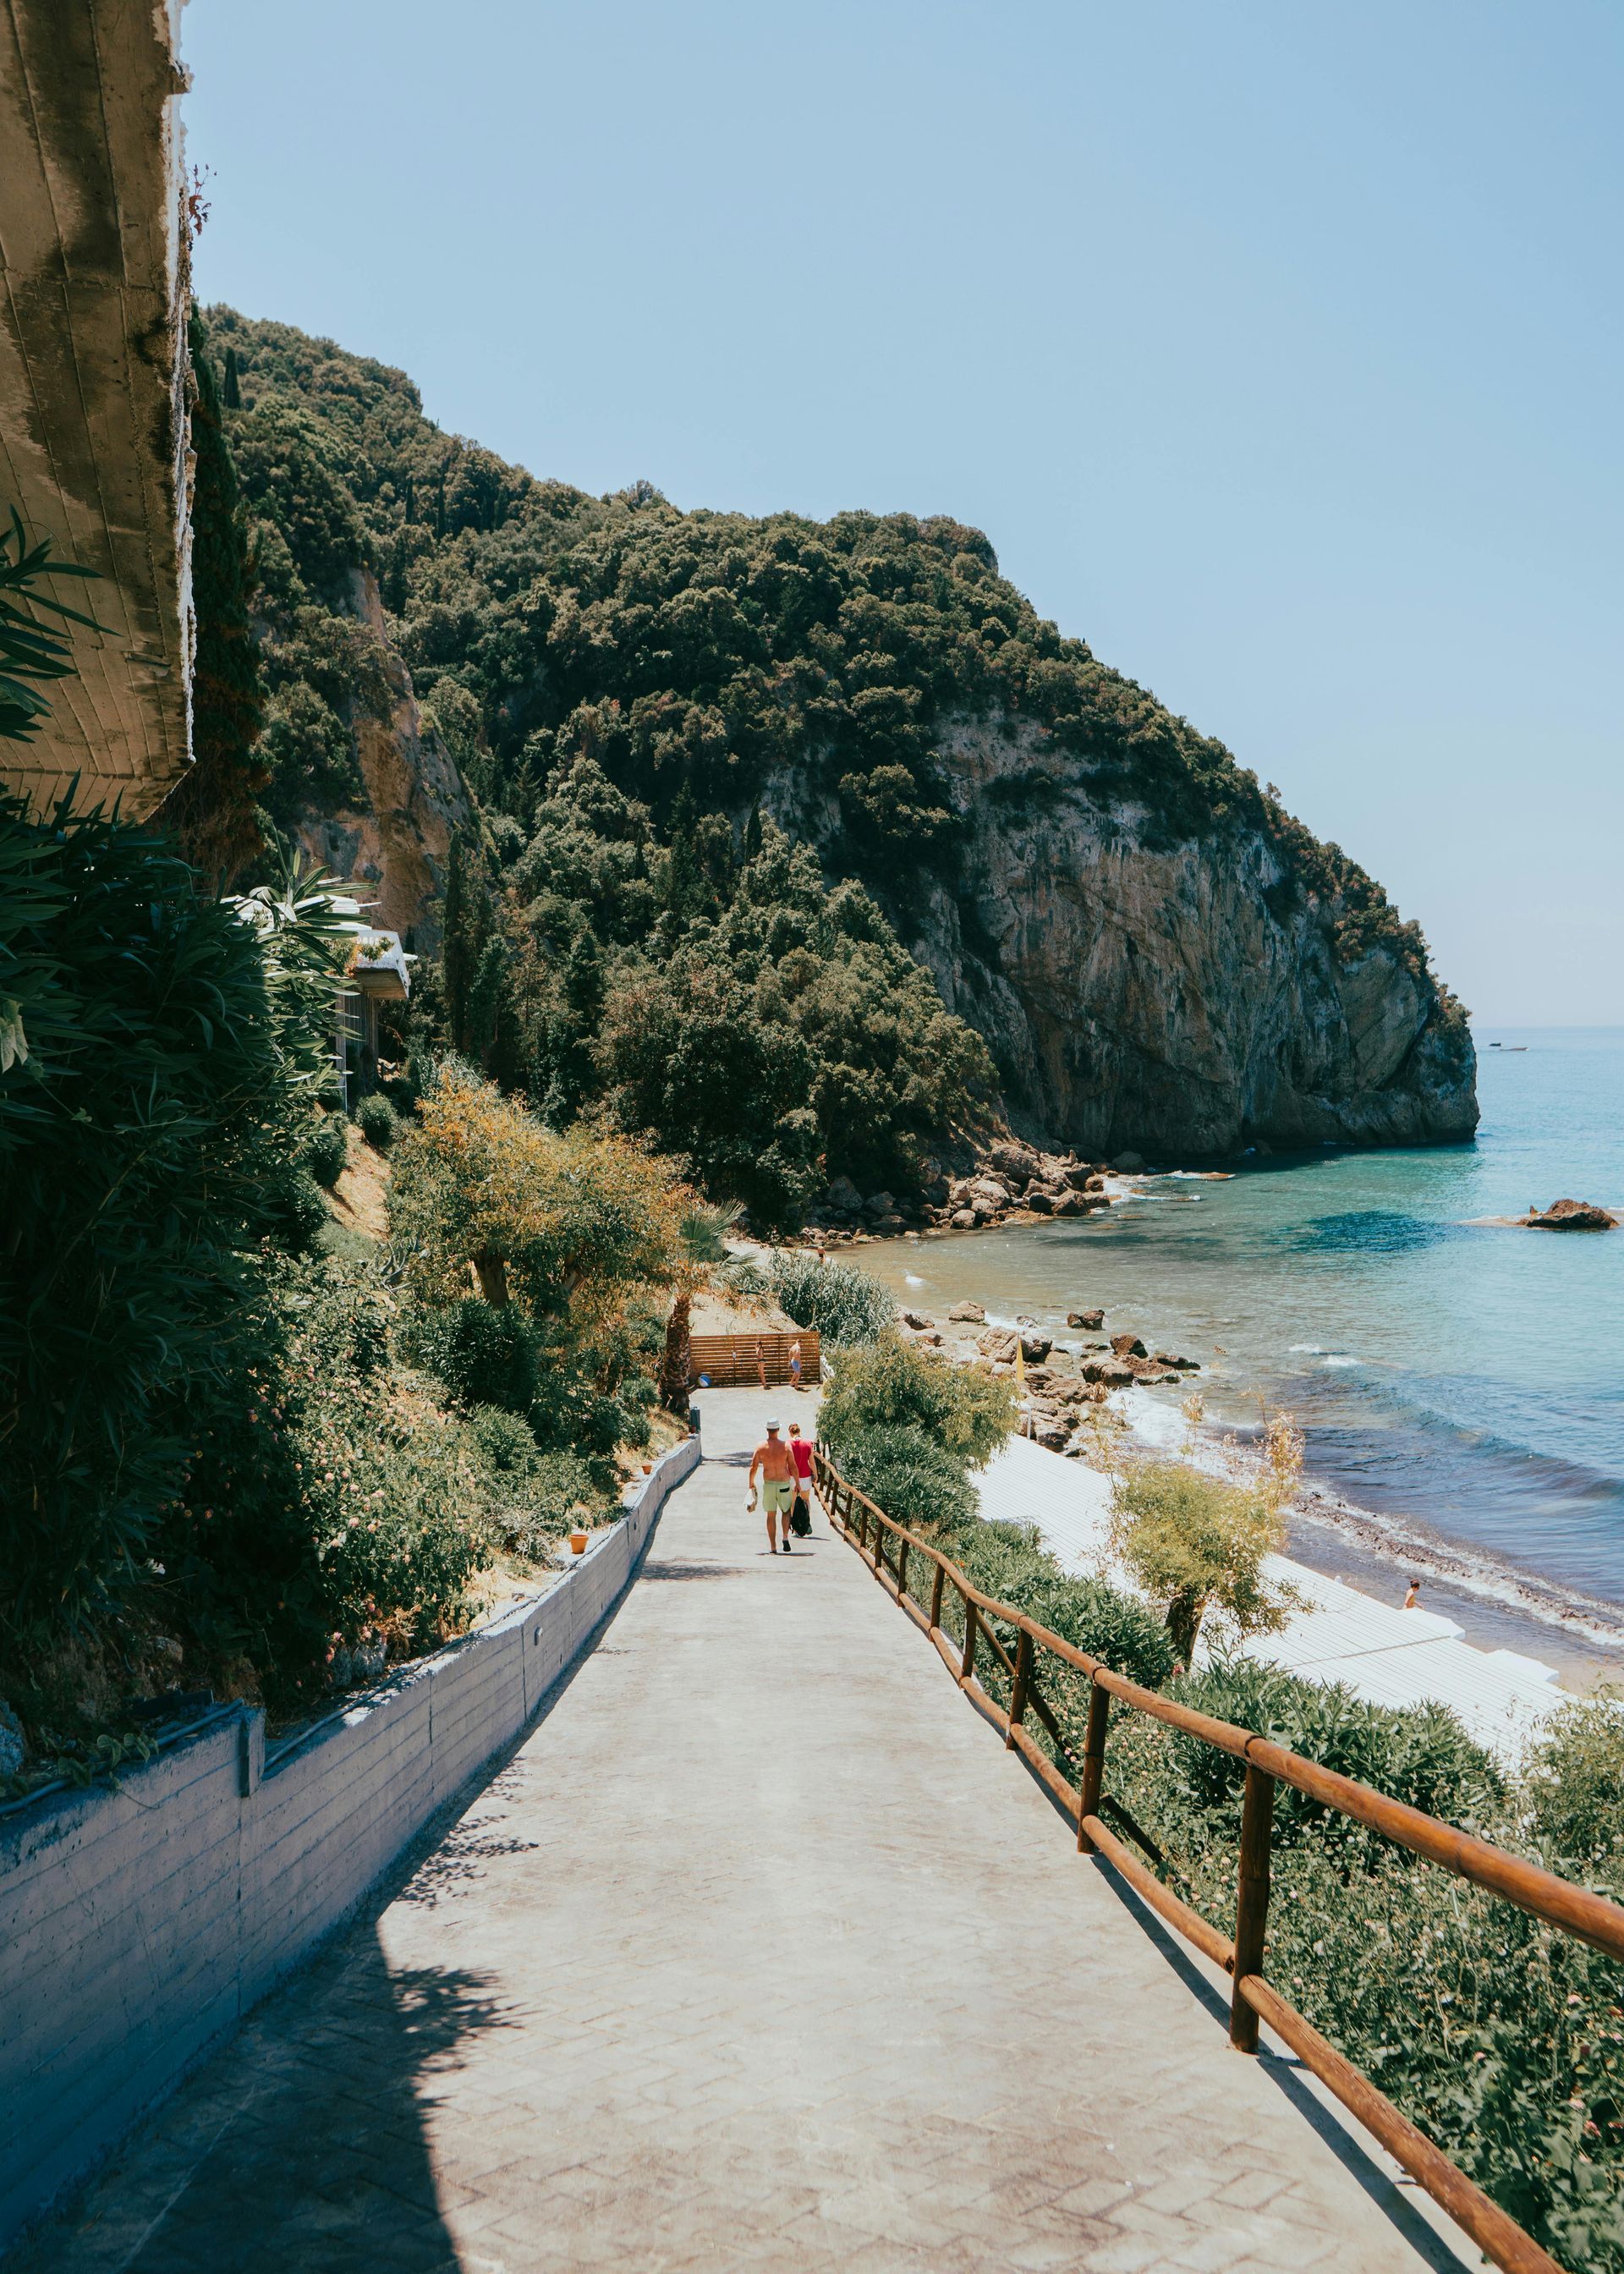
<point>1460,1382</point>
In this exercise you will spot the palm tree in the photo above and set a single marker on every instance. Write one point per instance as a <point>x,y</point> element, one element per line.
<point>705,1264</point>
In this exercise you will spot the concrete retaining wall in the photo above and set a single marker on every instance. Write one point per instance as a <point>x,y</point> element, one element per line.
<point>138,1925</point>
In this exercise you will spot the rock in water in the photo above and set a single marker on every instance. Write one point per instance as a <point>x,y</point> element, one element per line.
<point>972,1314</point>
<point>1571,1215</point>
<point>1128,1346</point>
<point>1092,1320</point>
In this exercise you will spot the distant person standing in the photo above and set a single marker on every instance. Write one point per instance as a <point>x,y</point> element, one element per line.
<point>773,1458</point>
<point>1412,1600</point>
<point>761,1363</point>
<point>794,1366</point>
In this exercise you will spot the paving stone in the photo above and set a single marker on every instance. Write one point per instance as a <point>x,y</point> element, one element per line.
<point>759,1954</point>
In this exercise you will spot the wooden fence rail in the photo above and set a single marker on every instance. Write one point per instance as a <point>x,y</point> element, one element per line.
<point>886,1545</point>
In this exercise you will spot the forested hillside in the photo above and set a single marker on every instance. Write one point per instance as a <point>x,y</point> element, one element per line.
<point>633,693</point>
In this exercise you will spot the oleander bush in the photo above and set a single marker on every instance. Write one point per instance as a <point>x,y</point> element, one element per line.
<point>891,1384</point>
<point>840,1303</point>
<point>909,1474</point>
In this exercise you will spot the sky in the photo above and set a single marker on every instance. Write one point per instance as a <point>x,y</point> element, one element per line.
<point>1277,348</point>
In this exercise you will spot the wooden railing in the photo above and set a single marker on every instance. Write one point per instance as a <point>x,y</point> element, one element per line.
<point>889,1547</point>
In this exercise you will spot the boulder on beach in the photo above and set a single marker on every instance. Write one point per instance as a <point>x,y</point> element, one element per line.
<point>972,1314</point>
<point>1570,1216</point>
<point>1128,1164</point>
<point>1128,1346</point>
<point>1092,1320</point>
<point>1184,1365</point>
<point>918,1319</point>
<point>1110,1373</point>
<point>963,1219</point>
<point>844,1195</point>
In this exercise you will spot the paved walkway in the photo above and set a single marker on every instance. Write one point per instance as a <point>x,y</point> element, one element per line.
<point>760,1953</point>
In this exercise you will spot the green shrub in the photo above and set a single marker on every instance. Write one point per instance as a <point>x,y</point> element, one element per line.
<point>1010,1560</point>
<point>893,1384</point>
<point>910,1476</point>
<point>378,1122</point>
<point>149,1129</point>
<point>1573,1788</point>
<point>507,1443</point>
<point>486,1354</point>
<point>841,1304</point>
<point>327,1150</point>
<point>299,1212</point>
<point>1421,1754</point>
<point>316,1500</point>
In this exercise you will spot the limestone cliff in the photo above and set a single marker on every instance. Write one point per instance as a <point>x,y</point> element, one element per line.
<point>1181,997</point>
<point>400,844</point>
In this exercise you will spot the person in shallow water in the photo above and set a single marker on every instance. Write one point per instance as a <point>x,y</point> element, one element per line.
<point>772,1457</point>
<point>801,1505</point>
<point>1412,1600</point>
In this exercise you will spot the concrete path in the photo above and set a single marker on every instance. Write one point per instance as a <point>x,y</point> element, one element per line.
<point>760,1953</point>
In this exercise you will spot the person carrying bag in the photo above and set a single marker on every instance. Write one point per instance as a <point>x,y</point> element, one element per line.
<point>801,1506</point>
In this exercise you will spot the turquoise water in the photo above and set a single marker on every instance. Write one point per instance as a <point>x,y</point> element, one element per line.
<point>1462,1383</point>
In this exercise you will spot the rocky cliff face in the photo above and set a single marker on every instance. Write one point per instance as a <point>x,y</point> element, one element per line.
<point>398,848</point>
<point>1186,998</point>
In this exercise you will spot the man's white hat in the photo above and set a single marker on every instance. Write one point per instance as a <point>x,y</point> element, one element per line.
<point>773,1425</point>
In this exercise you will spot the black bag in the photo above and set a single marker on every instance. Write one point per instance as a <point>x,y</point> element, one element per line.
<point>800,1517</point>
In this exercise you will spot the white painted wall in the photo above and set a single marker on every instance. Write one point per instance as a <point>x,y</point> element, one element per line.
<point>140,1924</point>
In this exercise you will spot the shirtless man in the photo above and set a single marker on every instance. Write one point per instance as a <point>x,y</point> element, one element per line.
<point>777,1465</point>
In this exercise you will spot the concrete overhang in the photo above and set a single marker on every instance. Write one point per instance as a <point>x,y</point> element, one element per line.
<point>93,428</point>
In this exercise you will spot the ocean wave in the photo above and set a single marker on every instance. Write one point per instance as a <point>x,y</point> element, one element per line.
<point>1400,1539</point>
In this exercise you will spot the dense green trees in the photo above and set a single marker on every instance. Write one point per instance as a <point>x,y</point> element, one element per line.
<point>630,690</point>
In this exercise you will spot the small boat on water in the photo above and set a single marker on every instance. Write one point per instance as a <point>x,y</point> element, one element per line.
<point>1508,1046</point>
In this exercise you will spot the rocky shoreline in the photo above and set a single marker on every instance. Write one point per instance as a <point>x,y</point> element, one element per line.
<point>1063,1380</point>
<point>1007,1181</point>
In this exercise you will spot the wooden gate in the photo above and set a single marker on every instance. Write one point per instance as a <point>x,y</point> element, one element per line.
<point>736,1361</point>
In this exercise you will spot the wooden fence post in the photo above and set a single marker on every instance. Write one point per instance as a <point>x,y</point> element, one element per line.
<point>902,1569</point>
<point>1252,1904</point>
<point>967,1664</point>
<point>1019,1687</point>
<point>1094,1762</point>
<point>936,1600</point>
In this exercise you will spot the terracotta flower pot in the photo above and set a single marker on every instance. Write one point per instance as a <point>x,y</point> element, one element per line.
<point>648,1468</point>
<point>577,1543</point>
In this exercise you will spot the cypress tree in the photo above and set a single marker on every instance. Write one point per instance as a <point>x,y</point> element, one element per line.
<point>753,832</point>
<point>575,1027</point>
<point>410,508</point>
<point>212,809</point>
<point>684,882</point>
<point>230,393</point>
<point>454,947</point>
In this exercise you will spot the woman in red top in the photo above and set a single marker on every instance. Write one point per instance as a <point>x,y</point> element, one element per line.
<point>801,1506</point>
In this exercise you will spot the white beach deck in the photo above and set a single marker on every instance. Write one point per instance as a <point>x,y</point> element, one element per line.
<point>1391,1656</point>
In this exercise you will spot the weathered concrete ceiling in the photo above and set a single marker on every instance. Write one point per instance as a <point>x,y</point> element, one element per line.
<point>92,422</point>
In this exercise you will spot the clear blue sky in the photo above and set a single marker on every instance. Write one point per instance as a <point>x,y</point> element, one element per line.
<point>1277,348</point>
